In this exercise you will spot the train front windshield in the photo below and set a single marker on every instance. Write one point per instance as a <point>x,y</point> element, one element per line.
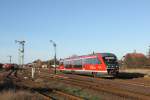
<point>110,61</point>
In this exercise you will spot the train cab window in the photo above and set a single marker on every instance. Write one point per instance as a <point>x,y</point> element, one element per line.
<point>110,60</point>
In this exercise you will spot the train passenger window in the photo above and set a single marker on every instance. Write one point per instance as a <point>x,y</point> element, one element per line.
<point>67,64</point>
<point>61,63</point>
<point>95,61</point>
<point>77,63</point>
<point>92,61</point>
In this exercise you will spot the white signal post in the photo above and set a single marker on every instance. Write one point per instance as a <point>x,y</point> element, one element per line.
<point>33,71</point>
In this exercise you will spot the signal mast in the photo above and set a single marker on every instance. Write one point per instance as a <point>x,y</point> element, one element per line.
<point>21,52</point>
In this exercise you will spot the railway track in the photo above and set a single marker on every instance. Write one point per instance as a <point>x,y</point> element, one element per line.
<point>140,83</point>
<point>107,88</point>
<point>134,83</point>
<point>50,93</point>
<point>45,92</point>
<point>118,88</point>
<point>104,87</point>
<point>57,95</point>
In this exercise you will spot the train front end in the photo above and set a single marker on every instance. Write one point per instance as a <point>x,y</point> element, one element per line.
<point>111,63</point>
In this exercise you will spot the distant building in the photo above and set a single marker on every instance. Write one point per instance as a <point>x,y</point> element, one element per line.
<point>134,59</point>
<point>44,66</point>
<point>135,55</point>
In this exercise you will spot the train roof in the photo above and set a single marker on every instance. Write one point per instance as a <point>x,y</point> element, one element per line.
<point>90,55</point>
<point>107,54</point>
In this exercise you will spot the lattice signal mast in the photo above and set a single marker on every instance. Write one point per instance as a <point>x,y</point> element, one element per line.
<point>10,59</point>
<point>21,52</point>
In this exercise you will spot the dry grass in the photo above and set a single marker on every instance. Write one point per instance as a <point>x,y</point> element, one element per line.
<point>19,95</point>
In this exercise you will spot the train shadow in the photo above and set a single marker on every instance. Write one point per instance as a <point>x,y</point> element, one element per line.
<point>127,75</point>
<point>121,75</point>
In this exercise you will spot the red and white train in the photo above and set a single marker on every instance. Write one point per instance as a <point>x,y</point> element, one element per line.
<point>98,63</point>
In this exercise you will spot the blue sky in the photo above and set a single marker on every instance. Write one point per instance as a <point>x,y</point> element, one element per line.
<point>77,26</point>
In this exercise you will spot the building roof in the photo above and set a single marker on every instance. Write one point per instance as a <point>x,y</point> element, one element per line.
<point>135,55</point>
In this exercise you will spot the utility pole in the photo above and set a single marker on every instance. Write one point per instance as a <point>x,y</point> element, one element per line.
<point>54,44</point>
<point>10,59</point>
<point>21,52</point>
<point>149,52</point>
